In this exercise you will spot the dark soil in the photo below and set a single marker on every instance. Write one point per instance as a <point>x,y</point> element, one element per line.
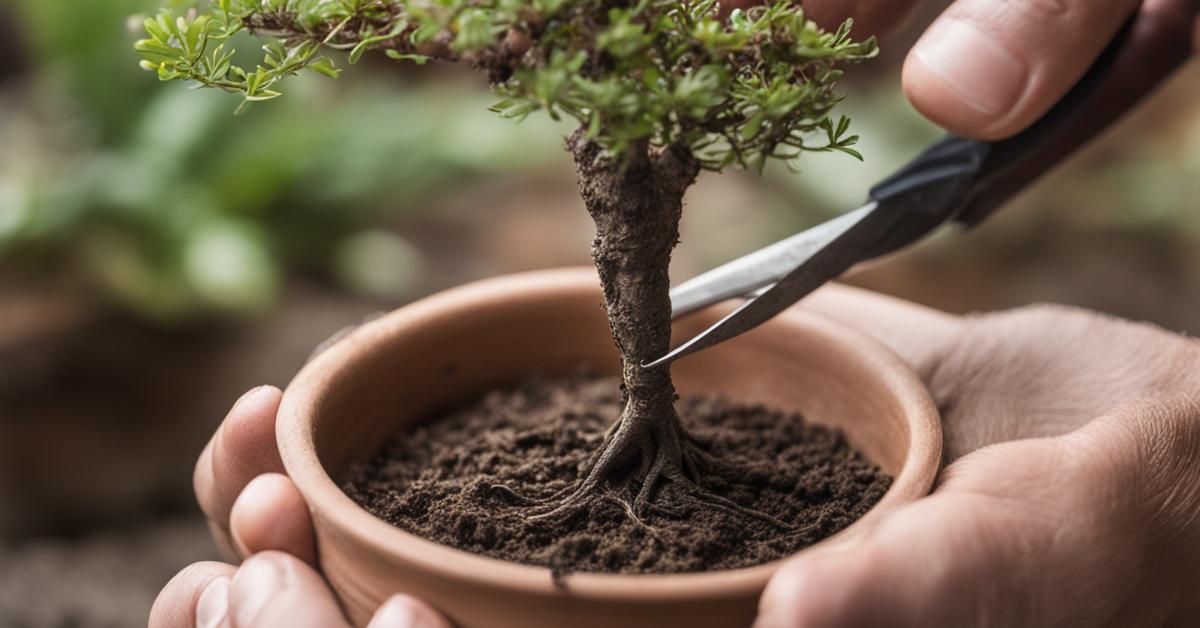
<point>442,481</point>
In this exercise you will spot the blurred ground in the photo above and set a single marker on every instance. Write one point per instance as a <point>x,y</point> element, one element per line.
<point>158,257</point>
<point>93,581</point>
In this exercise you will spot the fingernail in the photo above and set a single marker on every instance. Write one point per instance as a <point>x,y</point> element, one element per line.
<point>982,71</point>
<point>769,614</point>
<point>249,395</point>
<point>213,604</point>
<point>257,581</point>
<point>397,612</point>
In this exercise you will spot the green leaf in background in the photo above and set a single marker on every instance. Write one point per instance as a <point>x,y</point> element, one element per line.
<point>228,266</point>
<point>128,183</point>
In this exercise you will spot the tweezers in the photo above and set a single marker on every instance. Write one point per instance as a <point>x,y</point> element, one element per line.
<point>955,180</point>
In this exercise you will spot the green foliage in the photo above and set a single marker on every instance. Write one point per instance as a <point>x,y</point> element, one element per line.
<point>89,64</point>
<point>758,84</point>
<point>154,200</point>
<point>194,47</point>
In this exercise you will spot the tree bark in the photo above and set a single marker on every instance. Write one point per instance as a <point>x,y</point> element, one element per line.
<point>636,204</point>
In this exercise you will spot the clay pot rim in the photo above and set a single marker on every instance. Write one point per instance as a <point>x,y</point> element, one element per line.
<point>295,434</point>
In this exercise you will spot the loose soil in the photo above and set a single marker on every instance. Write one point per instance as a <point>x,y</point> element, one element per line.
<point>466,480</point>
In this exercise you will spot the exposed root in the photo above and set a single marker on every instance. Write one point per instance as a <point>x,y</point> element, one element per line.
<point>628,508</point>
<point>513,495</point>
<point>664,510</point>
<point>668,459</point>
<point>716,502</point>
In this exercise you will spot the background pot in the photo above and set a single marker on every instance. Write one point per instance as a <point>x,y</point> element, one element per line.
<point>444,351</point>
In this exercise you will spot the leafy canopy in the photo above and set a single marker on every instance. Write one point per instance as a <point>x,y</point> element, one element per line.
<point>737,89</point>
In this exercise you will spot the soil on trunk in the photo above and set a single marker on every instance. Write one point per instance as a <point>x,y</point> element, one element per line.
<point>442,481</point>
<point>636,201</point>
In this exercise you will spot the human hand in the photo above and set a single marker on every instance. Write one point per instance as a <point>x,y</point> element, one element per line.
<point>988,69</point>
<point>256,513</point>
<point>1071,494</point>
<point>1127,495</point>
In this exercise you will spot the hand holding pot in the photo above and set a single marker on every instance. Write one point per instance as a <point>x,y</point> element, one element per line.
<point>255,513</point>
<point>1072,491</point>
<point>1072,495</point>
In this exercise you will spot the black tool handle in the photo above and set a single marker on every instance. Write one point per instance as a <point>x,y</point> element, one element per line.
<point>970,179</point>
<point>1149,48</point>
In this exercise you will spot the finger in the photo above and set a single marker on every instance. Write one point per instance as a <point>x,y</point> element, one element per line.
<point>953,559</point>
<point>1046,370</point>
<point>869,583</point>
<point>1028,533</point>
<point>242,448</point>
<point>921,336</point>
<point>871,17</point>
<point>988,69</point>
<point>270,514</point>
<point>274,589</point>
<point>1148,449</point>
<point>1143,458</point>
<point>405,611</point>
<point>193,598</point>
<point>936,562</point>
<point>1183,11</point>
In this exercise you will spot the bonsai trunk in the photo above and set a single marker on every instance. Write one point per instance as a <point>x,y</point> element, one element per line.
<point>636,202</point>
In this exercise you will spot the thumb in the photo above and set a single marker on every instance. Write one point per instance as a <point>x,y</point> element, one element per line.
<point>1038,532</point>
<point>989,69</point>
<point>273,589</point>
<point>276,589</point>
<point>910,571</point>
<point>405,611</point>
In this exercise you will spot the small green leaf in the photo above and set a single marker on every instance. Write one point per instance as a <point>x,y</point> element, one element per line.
<point>850,151</point>
<point>400,56</point>
<point>325,66</point>
<point>365,44</point>
<point>264,95</point>
<point>751,128</point>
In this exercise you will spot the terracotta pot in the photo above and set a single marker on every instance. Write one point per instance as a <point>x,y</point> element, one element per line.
<point>450,348</point>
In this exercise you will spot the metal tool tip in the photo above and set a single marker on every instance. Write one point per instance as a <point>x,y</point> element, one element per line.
<point>666,359</point>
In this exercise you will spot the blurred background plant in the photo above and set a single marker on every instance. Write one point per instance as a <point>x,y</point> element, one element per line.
<point>171,206</point>
<point>159,255</point>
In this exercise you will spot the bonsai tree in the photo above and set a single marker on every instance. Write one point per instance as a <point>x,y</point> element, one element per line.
<point>662,89</point>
